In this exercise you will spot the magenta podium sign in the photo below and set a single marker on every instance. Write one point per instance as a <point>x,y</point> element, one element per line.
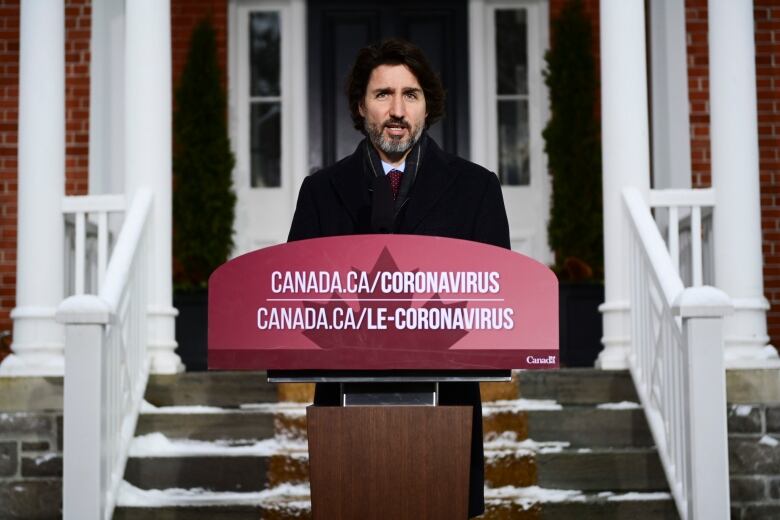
<point>383,302</point>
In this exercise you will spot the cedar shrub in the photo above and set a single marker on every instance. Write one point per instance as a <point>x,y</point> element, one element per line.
<point>203,197</point>
<point>573,147</point>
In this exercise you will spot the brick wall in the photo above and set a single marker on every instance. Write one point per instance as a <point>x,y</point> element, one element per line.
<point>9,103</point>
<point>185,15</point>
<point>767,20</point>
<point>698,90</point>
<point>77,35</point>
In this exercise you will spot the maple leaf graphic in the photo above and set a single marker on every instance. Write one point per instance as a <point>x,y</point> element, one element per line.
<point>391,337</point>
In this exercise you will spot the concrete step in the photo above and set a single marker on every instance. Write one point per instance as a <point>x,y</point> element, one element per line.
<point>591,427</point>
<point>210,389</point>
<point>602,470</point>
<point>235,424</point>
<point>508,507</point>
<point>578,385</point>
<point>213,473</point>
<point>580,426</point>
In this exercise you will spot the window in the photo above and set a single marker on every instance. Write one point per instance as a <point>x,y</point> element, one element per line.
<point>265,99</point>
<point>511,96</point>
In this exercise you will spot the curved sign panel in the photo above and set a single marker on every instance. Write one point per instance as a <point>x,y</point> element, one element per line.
<point>383,302</point>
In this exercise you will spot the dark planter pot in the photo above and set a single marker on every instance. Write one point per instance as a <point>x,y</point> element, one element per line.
<point>192,328</point>
<point>580,323</point>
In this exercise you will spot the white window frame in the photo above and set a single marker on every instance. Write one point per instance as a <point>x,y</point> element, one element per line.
<point>263,214</point>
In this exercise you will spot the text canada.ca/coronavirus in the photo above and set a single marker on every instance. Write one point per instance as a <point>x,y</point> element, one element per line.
<point>410,318</point>
<point>387,282</point>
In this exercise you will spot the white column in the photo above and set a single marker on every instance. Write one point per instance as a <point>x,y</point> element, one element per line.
<point>38,341</point>
<point>626,159</point>
<point>735,177</point>
<point>148,158</point>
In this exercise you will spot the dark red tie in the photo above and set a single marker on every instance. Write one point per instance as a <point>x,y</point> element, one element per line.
<point>395,181</point>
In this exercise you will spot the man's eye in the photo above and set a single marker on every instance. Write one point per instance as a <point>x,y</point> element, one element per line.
<point>411,95</point>
<point>381,95</point>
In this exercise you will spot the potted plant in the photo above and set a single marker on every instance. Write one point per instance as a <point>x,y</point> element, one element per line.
<point>203,197</point>
<point>573,147</point>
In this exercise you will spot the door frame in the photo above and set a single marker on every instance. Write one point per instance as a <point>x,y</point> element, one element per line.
<point>263,214</point>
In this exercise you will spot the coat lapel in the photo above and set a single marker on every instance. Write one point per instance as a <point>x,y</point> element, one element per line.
<point>351,184</point>
<point>434,178</point>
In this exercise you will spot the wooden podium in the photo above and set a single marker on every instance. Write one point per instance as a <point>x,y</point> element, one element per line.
<point>389,462</point>
<point>385,317</point>
<point>389,451</point>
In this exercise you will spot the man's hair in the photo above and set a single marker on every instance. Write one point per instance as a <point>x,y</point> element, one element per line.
<point>394,51</point>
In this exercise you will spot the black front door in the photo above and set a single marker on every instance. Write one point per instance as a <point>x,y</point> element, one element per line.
<point>337,30</point>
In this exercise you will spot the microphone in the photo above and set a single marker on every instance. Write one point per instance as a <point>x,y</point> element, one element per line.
<point>382,213</point>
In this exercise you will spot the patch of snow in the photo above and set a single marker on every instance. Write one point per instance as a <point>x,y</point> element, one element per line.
<point>507,443</point>
<point>519,405</point>
<point>585,450</point>
<point>742,410</point>
<point>284,408</point>
<point>635,496</point>
<point>766,440</point>
<point>44,458</point>
<point>622,405</point>
<point>158,445</point>
<point>286,495</point>
<point>605,494</point>
<point>526,497</point>
<point>147,407</point>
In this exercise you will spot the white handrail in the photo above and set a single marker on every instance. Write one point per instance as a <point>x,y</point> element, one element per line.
<point>675,201</point>
<point>106,369</point>
<point>100,206</point>
<point>676,361</point>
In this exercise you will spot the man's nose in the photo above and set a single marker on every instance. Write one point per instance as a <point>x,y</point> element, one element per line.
<point>398,107</point>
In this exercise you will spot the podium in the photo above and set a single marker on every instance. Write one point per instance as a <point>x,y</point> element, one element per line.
<point>394,323</point>
<point>389,449</point>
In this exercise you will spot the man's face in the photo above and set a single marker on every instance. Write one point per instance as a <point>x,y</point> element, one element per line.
<point>394,111</point>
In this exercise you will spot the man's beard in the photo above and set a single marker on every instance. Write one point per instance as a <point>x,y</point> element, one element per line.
<point>390,145</point>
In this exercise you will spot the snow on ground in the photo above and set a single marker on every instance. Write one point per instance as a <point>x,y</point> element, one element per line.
<point>287,495</point>
<point>158,445</point>
<point>297,496</point>
<point>635,496</point>
<point>507,443</point>
<point>742,410</point>
<point>528,496</point>
<point>284,408</point>
<point>766,440</point>
<point>147,407</point>
<point>519,405</point>
<point>622,405</point>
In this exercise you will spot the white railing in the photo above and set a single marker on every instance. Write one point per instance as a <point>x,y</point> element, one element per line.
<point>686,238</point>
<point>89,269</point>
<point>676,361</point>
<point>106,371</point>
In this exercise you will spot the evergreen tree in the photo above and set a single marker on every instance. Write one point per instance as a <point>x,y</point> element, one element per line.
<point>573,144</point>
<point>203,197</point>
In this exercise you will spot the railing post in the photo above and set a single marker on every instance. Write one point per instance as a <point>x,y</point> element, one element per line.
<point>84,448</point>
<point>702,310</point>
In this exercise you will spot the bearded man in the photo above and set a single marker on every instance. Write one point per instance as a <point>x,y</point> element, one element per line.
<point>398,180</point>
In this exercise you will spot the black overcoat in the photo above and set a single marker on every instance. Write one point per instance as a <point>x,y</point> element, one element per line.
<point>449,197</point>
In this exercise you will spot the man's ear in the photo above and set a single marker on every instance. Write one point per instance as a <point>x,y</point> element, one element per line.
<point>361,109</point>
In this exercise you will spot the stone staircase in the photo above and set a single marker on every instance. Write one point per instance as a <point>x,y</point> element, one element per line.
<point>559,444</point>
